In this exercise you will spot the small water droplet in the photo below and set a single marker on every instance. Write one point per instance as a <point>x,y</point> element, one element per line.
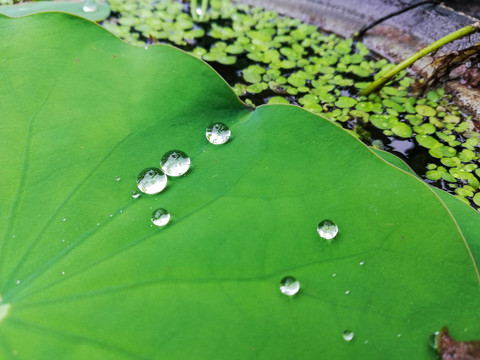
<point>64,219</point>
<point>175,163</point>
<point>89,6</point>
<point>117,178</point>
<point>347,292</point>
<point>199,11</point>
<point>17,282</point>
<point>146,46</point>
<point>399,335</point>
<point>63,240</point>
<point>289,286</point>
<point>365,342</point>
<point>217,133</point>
<point>121,211</point>
<point>135,194</point>
<point>14,236</point>
<point>63,272</point>
<point>348,335</point>
<point>111,215</point>
<point>151,181</point>
<point>334,275</point>
<point>160,217</point>
<point>327,229</point>
<point>362,262</point>
<point>98,224</point>
<point>433,340</point>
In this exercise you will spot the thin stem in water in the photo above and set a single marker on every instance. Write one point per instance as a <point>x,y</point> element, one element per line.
<point>467,30</point>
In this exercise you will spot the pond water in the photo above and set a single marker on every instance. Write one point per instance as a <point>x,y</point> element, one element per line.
<point>270,58</point>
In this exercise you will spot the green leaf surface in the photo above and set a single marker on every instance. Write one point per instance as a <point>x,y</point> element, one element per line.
<point>84,274</point>
<point>97,12</point>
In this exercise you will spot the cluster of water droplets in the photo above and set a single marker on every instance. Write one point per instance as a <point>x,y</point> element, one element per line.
<point>173,163</point>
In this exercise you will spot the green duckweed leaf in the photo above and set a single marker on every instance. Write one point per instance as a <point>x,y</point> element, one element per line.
<point>345,102</point>
<point>425,110</point>
<point>402,130</point>
<point>278,100</point>
<point>383,122</point>
<point>84,275</point>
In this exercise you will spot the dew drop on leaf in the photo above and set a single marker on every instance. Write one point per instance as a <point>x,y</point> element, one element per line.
<point>89,6</point>
<point>348,335</point>
<point>160,217</point>
<point>117,178</point>
<point>64,219</point>
<point>135,194</point>
<point>433,340</point>
<point>289,286</point>
<point>175,163</point>
<point>327,229</point>
<point>217,133</point>
<point>151,181</point>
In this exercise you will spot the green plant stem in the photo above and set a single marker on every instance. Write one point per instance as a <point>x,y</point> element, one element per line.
<point>193,9</point>
<point>467,30</point>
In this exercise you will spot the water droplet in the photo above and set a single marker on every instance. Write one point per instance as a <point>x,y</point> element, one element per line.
<point>64,219</point>
<point>348,335</point>
<point>63,240</point>
<point>89,6</point>
<point>433,340</point>
<point>98,224</point>
<point>175,163</point>
<point>151,181</point>
<point>399,335</point>
<point>14,236</point>
<point>117,178</point>
<point>111,215</point>
<point>289,286</point>
<point>362,262</point>
<point>347,292</point>
<point>365,342</point>
<point>160,217</point>
<point>135,194</point>
<point>327,229</point>
<point>334,275</point>
<point>217,133</point>
<point>17,282</point>
<point>199,11</point>
<point>63,272</point>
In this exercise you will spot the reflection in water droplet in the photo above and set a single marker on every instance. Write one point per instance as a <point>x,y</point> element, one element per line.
<point>89,6</point>
<point>399,335</point>
<point>433,340</point>
<point>175,163</point>
<point>348,335</point>
<point>14,236</point>
<point>289,286</point>
<point>334,275</point>
<point>362,262</point>
<point>135,194</point>
<point>17,282</point>
<point>151,181</point>
<point>63,272</point>
<point>347,292</point>
<point>64,219</point>
<point>327,229</point>
<point>160,217</point>
<point>217,133</point>
<point>117,178</point>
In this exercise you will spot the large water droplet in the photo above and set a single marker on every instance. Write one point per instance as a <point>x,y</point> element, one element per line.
<point>433,340</point>
<point>151,181</point>
<point>160,217</point>
<point>217,133</point>
<point>289,286</point>
<point>175,163</point>
<point>327,229</point>
<point>348,335</point>
<point>89,6</point>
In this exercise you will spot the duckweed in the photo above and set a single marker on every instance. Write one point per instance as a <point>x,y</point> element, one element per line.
<point>270,58</point>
